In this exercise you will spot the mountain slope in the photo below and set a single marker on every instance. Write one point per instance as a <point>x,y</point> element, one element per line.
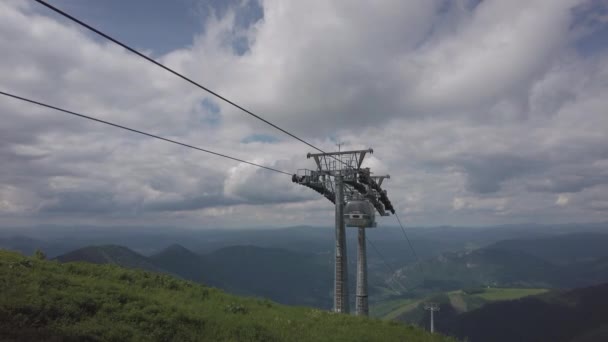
<point>454,302</point>
<point>27,245</point>
<point>561,249</point>
<point>50,301</point>
<point>573,260</point>
<point>284,276</point>
<point>183,262</point>
<point>110,254</point>
<point>574,315</point>
<point>486,266</point>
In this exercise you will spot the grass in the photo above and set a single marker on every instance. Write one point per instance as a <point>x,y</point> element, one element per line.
<point>381,309</point>
<point>401,310</point>
<point>48,301</point>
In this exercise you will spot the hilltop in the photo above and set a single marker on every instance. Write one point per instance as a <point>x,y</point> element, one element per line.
<point>110,254</point>
<point>51,301</point>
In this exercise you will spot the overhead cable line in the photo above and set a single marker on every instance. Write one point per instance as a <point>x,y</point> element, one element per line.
<point>390,269</point>
<point>141,132</point>
<point>410,244</point>
<point>185,78</point>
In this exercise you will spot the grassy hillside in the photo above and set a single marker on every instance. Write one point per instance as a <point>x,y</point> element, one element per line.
<point>486,266</point>
<point>49,301</point>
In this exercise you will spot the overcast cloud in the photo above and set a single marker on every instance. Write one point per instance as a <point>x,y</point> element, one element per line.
<point>482,112</point>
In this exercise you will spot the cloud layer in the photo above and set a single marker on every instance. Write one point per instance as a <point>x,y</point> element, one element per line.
<point>482,112</point>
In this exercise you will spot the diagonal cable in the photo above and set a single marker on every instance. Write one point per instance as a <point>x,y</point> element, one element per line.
<point>140,132</point>
<point>390,269</point>
<point>185,78</point>
<point>410,244</point>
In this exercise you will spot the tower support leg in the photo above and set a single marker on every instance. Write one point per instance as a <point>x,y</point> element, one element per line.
<point>362,306</point>
<point>341,303</point>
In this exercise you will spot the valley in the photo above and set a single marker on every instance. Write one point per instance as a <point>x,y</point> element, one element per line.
<point>462,272</point>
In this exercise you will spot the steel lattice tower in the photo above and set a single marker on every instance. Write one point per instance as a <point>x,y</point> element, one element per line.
<point>338,177</point>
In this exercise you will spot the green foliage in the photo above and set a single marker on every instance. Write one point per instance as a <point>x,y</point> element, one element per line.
<point>236,309</point>
<point>50,301</point>
<point>39,255</point>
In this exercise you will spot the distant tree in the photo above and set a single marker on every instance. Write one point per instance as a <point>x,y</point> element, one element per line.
<point>39,254</point>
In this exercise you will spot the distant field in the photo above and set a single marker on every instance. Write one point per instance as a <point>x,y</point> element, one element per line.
<point>383,308</point>
<point>494,294</point>
<point>461,301</point>
<point>402,310</point>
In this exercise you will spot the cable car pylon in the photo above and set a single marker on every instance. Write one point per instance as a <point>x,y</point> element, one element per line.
<point>357,195</point>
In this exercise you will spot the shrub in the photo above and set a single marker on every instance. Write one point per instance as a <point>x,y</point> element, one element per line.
<point>236,309</point>
<point>39,255</point>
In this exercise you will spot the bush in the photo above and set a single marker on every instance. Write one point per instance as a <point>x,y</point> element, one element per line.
<point>236,309</point>
<point>39,255</point>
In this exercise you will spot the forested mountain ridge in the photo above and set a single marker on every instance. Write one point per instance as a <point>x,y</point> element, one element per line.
<point>110,254</point>
<point>284,276</point>
<point>300,278</point>
<point>561,249</point>
<point>532,263</point>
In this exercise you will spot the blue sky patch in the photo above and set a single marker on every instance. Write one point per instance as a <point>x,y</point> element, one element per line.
<point>212,115</point>
<point>158,26</point>
<point>263,138</point>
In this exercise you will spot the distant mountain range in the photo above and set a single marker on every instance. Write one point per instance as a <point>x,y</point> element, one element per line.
<point>294,265</point>
<point>284,276</point>
<point>115,255</point>
<point>564,261</point>
<point>561,249</point>
<point>428,241</point>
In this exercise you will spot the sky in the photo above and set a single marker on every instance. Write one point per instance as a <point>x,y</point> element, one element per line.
<point>483,112</point>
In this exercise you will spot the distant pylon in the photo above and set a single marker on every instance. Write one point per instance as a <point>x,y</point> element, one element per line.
<point>432,307</point>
